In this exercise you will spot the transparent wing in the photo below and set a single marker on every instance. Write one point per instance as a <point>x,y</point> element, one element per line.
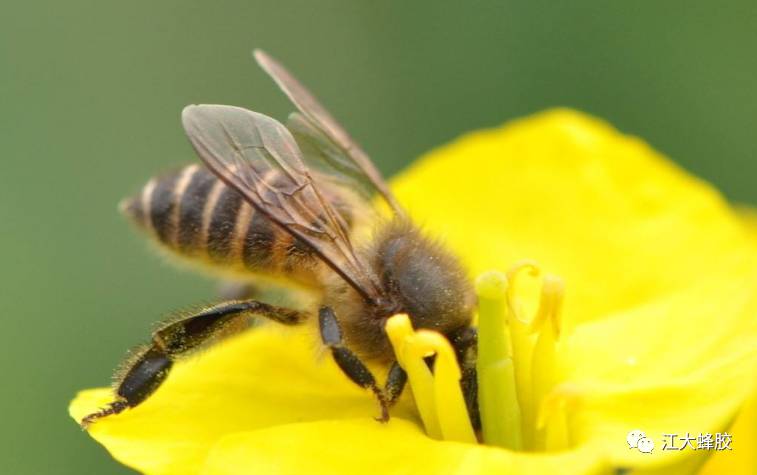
<point>327,162</point>
<point>247,150</point>
<point>320,127</point>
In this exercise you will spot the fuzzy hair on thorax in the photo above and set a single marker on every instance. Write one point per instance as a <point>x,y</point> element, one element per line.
<point>418,276</point>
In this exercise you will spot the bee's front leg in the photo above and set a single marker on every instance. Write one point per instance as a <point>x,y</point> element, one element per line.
<point>356,370</point>
<point>395,383</point>
<point>465,343</point>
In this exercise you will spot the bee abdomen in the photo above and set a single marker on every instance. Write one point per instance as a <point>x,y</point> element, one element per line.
<point>167,206</point>
<point>194,214</point>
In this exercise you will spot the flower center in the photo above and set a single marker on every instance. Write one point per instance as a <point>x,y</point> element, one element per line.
<point>519,405</point>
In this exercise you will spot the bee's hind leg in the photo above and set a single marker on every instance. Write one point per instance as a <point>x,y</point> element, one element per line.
<point>144,372</point>
<point>356,370</point>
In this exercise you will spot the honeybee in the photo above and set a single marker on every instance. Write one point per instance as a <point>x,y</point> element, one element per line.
<point>282,201</point>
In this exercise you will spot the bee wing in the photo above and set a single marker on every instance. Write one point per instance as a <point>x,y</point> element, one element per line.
<point>327,162</point>
<point>339,150</point>
<point>244,148</point>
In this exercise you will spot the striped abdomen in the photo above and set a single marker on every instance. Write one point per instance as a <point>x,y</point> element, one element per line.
<point>194,214</point>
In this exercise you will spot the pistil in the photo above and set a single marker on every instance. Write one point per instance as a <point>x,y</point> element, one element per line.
<point>498,401</point>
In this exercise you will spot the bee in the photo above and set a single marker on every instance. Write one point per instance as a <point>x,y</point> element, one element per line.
<point>282,201</point>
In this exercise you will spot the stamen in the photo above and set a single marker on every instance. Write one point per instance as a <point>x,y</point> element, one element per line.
<point>543,366</point>
<point>498,401</point>
<point>534,345</point>
<point>399,329</point>
<point>550,304</point>
<point>451,411</point>
<point>438,396</point>
<point>522,343</point>
<point>512,276</point>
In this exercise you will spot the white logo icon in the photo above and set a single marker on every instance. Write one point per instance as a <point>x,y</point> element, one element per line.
<point>645,445</point>
<point>637,439</point>
<point>634,437</point>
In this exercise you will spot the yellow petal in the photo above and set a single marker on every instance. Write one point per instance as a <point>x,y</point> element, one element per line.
<point>360,446</point>
<point>679,364</point>
<point>703,402</point>
<point>669,337</point>
<point>614,218</point>
<point>266,377</point>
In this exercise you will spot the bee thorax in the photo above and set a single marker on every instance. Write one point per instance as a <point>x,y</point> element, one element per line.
<point>418,277</point>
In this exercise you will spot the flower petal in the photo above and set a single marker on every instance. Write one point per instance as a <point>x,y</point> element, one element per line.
<point>684,363</point>
<point>266,377</point>
<point>705,402</point>
<point>614,218</point>
<point>704,325</point>
<point>362,446</point>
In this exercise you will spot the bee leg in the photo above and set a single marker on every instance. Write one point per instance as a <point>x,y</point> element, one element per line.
<point>466,345</point>
<point>349,362</point>
<point>150,366</point>
<point>395,383</point>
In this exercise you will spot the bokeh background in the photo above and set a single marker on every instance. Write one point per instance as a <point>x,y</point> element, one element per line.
<point>90,94</point>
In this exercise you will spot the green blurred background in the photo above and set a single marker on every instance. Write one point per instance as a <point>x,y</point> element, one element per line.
<point>90,99</point>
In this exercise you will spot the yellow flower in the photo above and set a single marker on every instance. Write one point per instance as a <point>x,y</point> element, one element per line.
<point>657,330</point>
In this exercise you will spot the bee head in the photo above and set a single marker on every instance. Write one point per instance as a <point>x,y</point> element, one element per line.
<point>424,280</point>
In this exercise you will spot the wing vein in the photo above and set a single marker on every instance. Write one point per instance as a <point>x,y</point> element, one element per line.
<point>258,156</point>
